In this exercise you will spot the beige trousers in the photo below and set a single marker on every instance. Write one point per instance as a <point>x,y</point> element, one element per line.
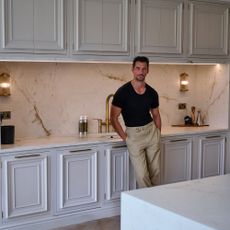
<point>143,144</point>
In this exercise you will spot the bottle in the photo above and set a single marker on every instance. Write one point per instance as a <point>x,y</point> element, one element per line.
<point>198,119</point>
<point>193,110</point>
<point>83,126</point>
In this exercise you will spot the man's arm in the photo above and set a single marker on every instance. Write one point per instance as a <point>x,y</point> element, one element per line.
<point>156,117</point>
<point>114,114</point>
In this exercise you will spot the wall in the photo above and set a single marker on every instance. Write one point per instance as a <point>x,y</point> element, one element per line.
<point>48,98</point>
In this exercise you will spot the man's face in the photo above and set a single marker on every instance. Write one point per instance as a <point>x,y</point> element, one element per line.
<point>140,70</point>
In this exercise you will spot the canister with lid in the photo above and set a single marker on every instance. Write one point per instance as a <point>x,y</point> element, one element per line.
<point>83,126</point>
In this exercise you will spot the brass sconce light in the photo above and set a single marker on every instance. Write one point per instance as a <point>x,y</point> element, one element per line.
<point>4,84</point>
<point>184,82</point>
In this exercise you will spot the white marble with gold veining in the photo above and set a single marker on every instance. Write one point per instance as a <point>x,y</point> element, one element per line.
<point>47,99</point>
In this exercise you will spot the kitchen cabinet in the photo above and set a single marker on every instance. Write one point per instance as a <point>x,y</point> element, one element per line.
<point>227,157</point>
<point>211,155</point>
<point>159,27</point>
<point>116,171</point>
<point>25,181</point>
<point>78,179</point>
<point>209,29</point>
<point>32,26</point>
<point>189,30</point>
<point>115,30</point>
<point>101,27</point>
<point>176,159</point>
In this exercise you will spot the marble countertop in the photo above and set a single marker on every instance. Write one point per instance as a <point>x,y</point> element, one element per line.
<point>61,141</point>
<point>202,204</point>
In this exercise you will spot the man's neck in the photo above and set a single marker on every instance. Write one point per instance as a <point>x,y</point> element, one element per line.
<point>139,86</point>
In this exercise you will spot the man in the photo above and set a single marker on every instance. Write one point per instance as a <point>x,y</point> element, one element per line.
<point>138,103</point>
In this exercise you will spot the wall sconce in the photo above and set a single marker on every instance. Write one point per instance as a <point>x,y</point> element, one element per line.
<point>184,82</point>
<point>4,84</point>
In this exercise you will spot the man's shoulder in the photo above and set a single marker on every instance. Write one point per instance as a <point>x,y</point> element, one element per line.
<point>150,88</point>
<point>124,87</point>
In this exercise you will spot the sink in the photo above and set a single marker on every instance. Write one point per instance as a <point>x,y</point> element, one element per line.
<point>107,136</point>
<point>110,136</point>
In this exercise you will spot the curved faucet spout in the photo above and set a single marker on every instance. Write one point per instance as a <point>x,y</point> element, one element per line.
<point>107,114</point>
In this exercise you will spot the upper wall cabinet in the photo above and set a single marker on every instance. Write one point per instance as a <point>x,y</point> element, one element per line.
<point>100,27</point>
<point>115,30</point>
<point>32,26</point>
<point>209,29</point>
<point>159,27</point>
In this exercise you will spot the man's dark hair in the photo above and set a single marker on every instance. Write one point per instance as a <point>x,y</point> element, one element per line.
<point>141,59</point>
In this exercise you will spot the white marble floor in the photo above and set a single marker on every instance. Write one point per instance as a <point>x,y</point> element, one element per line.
<point>112,223</point>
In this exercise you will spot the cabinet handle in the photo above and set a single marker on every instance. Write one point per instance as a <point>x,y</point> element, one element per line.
<point>209,137</point>
<point>178,140</point>
<point>120,146</point>
<point>79,150</point>
<point>26,156</point>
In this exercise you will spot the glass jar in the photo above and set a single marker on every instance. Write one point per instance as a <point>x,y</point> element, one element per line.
<point>83,126</point>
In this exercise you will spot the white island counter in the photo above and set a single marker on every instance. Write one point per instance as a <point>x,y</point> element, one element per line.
<point>202,204</point>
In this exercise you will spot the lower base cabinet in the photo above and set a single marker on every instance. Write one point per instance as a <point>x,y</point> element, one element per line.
<point>116,171</point>
<point>77,179</point>
<point>211,155</point>
<point>176,159</point>
<point>25,179</point>
<point>192,157</point>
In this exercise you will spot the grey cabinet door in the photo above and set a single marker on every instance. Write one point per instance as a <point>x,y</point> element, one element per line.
<point>32,26</point>
<point>77,179</point>
<point>209,29</point>
<point>18,24</point>
<point>211,155</point>
<point>49,25</point>
<point>159,27</point>
<point>176,160</point>
<point>24,184</point>
<point>100,27</point>
<point>117,171</point>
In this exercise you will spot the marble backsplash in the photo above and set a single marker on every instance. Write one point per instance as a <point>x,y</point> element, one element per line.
<point>48,98</point>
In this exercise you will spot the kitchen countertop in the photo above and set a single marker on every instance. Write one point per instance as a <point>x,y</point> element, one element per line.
<point>61,141</point>
<point>201,204</point>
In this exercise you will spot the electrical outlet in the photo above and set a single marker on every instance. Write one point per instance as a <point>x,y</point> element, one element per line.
<point>182,106</point>
<point>5,115</point>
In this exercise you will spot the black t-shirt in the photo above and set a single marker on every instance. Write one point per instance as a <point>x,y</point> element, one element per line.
<point>135,108</point>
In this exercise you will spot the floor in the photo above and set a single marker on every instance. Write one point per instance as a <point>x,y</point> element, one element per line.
<point>112,223</point>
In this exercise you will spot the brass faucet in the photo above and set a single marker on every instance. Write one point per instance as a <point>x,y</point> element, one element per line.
<point>105,123</point>
<point>107,114</point>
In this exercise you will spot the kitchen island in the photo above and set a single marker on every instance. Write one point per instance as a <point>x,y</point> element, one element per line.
<point>202,204</point>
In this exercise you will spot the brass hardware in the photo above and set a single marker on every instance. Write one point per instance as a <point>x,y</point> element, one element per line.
<point>107,117</point>
<point>5,83</point>
<point>107,122</point>
<point>99,127</point>
<point>184,82</point>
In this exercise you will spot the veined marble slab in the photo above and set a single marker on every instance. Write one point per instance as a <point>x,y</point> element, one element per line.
<point>202,204</point>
